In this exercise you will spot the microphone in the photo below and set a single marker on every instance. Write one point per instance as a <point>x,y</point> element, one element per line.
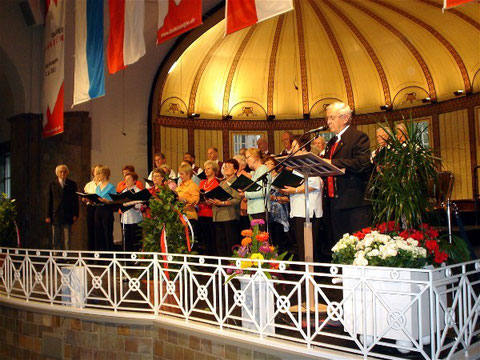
<point>320,128</point>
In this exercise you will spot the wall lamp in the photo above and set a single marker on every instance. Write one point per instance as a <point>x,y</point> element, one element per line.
<point>306,116</point>
<point>227,117</point>
<point>426,100</point>
<point>194,115</point>
<point>271,117</point>
<point>385,108</point>
<point>458,92</point>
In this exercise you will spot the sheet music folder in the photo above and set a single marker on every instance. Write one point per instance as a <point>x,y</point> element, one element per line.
<point>311,165</point>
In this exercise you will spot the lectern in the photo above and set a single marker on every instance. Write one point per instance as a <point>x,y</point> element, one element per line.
<point>310,165</point>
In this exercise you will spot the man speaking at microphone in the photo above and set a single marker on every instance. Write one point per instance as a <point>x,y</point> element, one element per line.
<point>347,209</point>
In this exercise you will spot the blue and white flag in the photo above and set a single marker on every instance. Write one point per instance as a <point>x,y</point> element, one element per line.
<point>89,62</point>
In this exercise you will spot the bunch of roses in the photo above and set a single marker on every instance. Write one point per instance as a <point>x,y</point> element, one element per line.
<point>388,245</point>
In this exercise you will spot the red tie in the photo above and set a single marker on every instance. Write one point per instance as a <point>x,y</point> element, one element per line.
<point>330,183</point>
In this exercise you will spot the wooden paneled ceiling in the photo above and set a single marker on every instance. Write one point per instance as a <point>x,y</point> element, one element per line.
<point>367,53</point>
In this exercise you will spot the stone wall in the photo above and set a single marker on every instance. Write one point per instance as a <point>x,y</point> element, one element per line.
<point>34,335</point>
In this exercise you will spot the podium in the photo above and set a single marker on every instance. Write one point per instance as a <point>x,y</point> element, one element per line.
<point>310,165</point>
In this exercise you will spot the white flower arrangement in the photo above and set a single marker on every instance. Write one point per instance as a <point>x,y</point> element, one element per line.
<point>379,249</point>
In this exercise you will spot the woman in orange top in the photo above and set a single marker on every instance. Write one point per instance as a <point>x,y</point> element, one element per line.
<point>188,192</point>
<point>205,214</point>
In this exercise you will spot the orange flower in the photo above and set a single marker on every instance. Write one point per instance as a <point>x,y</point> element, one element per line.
<point>263,236</point>
<point>246,241</point>
<point>247,232</point>
<point>274,266</point>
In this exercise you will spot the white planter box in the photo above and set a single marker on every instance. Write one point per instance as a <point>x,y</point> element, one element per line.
<point>258,305</point>
<point>395,307</point>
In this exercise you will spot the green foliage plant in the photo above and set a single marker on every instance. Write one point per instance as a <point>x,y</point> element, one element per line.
<point>164,210</point>
<point>8,213</point>
<point>398,188</point>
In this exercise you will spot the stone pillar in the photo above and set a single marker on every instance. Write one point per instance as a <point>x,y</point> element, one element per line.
<point>33,167</point>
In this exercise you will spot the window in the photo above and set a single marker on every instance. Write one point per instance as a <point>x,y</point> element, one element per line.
<point>5,170</point>
<point>423,127</point>
<point>248,140</point>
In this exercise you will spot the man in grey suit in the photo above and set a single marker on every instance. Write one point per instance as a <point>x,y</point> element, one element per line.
<point>62,209</point>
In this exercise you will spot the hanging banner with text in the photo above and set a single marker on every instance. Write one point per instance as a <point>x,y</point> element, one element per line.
<point>54,46</point>
<point>176,17</point>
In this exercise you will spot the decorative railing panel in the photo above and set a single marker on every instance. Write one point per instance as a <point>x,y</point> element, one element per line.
<point>372,312</point>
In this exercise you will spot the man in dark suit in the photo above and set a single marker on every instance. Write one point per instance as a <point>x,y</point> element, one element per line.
<point>347,208</point>
<point>62,207</point>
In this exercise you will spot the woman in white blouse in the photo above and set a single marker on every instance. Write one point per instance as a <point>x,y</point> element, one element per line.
<point>132,233</point>
<point>297,204</point>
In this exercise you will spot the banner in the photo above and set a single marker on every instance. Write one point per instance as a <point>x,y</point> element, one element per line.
<point>54,46</point>
<point>126,43</point>
<point>243,13</point>
<point>176,17</point>
<point>89,80</point>
<point>448,4</point>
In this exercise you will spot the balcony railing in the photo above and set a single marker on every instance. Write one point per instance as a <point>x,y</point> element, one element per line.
<point>368,311</point>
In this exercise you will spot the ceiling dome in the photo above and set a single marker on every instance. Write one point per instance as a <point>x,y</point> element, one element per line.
<point>367,53</point>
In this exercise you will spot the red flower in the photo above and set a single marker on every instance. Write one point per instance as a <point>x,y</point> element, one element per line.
<point>382,228</point>
<point>274,266</point>
<point>425,226</point>
<point>417,235</point>
<point>367,230</point>
<point>404,234</point>
<point>432,245</point>
<point>360,235</point>
<point>392,226</point>
<point>432,233</point>
<point>440,257</point>
<point>263,236</point>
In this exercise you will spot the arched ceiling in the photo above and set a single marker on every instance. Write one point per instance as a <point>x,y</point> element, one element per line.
<point>367,53</point>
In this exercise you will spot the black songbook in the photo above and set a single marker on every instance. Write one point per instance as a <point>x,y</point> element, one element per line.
<point>142,195</point>
<point>287,178</point>
<point>218,193</point>
<point>242,182</point>
<point>92,197</point>
<point>121,197</point>
<point>148,181</point>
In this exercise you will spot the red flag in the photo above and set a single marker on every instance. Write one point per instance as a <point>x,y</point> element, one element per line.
<point>176,17</point>
<point>54,68</point>
<point>448,4</point>
<point>243,13</point>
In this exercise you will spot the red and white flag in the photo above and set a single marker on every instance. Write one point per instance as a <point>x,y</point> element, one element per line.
<point>243,13</point>
<point>54,45</point>
<point>126,43</point>
<point>448,4</point>
<point>176,17</point>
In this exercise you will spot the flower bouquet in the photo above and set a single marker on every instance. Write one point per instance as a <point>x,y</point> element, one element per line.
<point>254,248</point>
<point>388,245</point>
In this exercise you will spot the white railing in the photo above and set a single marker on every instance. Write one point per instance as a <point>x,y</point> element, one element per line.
<point>372,312</point>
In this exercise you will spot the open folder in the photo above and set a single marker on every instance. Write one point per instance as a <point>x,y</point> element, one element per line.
<point>92,197</point>
<point>218,193</point>
<point>287,178</point>
<point>242,182</point>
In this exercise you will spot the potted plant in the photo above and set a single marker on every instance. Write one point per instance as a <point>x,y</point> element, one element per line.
<point>8,228</point>
<point>402,237</point>
<point>256,251</point>
<point>164,223</point>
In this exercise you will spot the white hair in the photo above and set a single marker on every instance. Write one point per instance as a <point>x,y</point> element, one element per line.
<point>61,166</point>
<point>340,108</point>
